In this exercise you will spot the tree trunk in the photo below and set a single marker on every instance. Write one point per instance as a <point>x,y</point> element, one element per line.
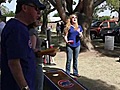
<point>85,10</point>
<point>84,19</point>
<point>44,24</point>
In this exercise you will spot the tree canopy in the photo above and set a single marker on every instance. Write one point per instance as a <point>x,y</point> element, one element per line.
<point>113,4</point>
<point>84,9</point>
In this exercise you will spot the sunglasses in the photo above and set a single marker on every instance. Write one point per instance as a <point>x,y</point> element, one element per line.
<point>74,17</point>
<point>36,8</point>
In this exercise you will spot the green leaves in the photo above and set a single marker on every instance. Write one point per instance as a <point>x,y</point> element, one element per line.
<point>113,4</point>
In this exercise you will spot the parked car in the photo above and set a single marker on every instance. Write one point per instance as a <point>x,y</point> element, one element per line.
<point>105,31</point>
<point>111,32</point>
<point>94,29</point>
<point>98,25</point>
<point>117,34</point>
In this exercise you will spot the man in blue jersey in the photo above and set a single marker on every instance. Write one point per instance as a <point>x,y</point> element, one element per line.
<point>17,58</point>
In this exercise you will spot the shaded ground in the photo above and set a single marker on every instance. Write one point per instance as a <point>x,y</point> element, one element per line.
<point>99,69</point>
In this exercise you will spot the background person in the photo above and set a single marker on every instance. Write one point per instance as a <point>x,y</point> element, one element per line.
<point>17,57</point>
<point>36,45</point>
<point>2,24</point>
<point>72,35</point>
<point>58,29</point>
<point>62,27</point>
<point>36,42</point>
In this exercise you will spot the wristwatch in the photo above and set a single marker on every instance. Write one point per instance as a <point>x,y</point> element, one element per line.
<point>25,88</point>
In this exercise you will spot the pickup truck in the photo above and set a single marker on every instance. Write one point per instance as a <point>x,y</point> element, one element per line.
<point>98,25</point>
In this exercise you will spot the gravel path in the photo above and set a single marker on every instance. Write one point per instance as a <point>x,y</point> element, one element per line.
<point>98,72</point>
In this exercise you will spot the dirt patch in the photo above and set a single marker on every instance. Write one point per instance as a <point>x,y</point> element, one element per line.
<point>99,69</point>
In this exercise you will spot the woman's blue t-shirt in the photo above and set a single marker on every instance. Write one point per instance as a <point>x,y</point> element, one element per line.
<point>74,35</point>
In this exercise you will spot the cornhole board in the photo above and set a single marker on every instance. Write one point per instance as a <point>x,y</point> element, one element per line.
<point>60,80</point>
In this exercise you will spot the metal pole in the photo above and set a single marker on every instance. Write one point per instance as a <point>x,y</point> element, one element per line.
<point>49,42</point>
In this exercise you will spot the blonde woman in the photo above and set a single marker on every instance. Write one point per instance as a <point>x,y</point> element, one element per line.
<point>72,35</point>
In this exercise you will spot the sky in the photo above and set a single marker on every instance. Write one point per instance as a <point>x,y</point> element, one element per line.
<point>12,5</point>
<point>108,12</point>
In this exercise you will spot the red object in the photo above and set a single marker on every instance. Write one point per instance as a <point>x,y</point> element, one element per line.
<point>51,46</point>
<point>71,41</point>
<point>44,60</point>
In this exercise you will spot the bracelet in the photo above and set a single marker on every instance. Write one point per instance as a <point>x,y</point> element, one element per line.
<point>25,88</point>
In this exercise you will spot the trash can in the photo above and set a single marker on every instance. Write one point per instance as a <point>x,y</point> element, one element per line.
<point>109,43</point>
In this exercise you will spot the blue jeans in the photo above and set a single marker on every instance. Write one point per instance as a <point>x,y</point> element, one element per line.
<point>39,78</point>
<point>72,53</point>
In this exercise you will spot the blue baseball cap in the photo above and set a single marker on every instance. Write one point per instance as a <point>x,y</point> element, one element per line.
<point>35,2</point>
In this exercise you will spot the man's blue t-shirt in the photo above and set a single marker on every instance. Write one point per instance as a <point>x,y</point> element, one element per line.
<point>16,44</point>
<point>74,35</point>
